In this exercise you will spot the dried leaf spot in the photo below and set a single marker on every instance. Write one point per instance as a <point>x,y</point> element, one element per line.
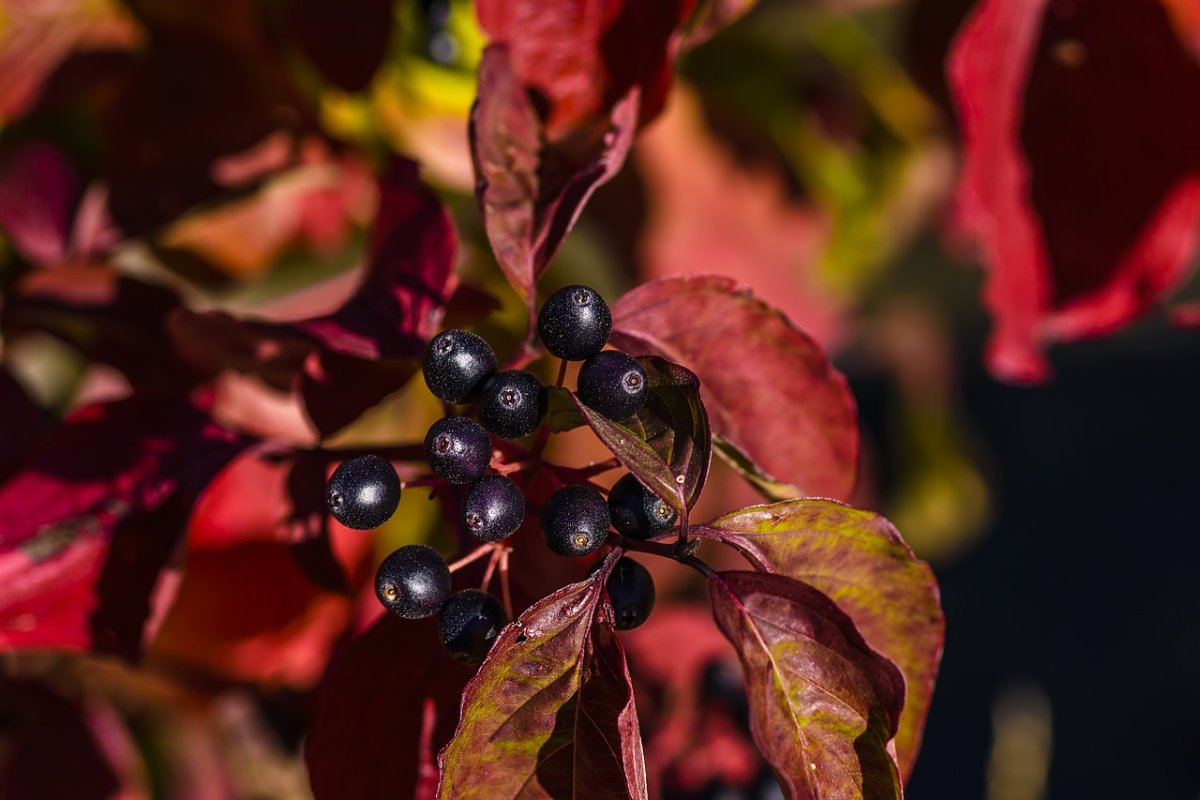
<point>53,539</point>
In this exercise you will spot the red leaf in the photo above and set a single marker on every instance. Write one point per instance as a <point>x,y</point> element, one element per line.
<point>77,554</point>
<point>373,342</point>
<point>550,711</point>
<point>823,705</point>
<point>531,190</point>
<point>668,445</point>
<point>582,58</point>
<point>861,563</point>
<point>774,398</point>
<point>346,45</point>
<point>388,704</point>
<point>1081,179</point>
<point>305,524</point>
<point>244,610</point>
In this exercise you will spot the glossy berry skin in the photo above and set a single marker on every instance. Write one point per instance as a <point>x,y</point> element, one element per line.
<point>363,492</point>
<point>631,592</point>
<point>638,512</point>
<point>413,582</point>
<point>612,383</point>
<point>456,365</point>
<point>458,449</point>
<point>512,404</point>
<point>575,521</point>
<point>574,323</point>
<point>470,621</point>
<point>494,508</point>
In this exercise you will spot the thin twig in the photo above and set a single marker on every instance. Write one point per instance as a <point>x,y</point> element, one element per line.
<point>473,556</point>
<point>505,593</point>
<point>491,568</point>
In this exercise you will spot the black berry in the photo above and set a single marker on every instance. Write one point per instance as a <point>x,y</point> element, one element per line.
<point>413,582</point>
<point>613,384</point>
<point>470,621</point>
<point>363,492</point>
<point>512,404</point>
<point>456,365</point>
<point>638,512</point>
<point>574,323</point>
<point>458,449</point>
<point>575,521</point>
<point>494,508</point>
<point>631,592</point>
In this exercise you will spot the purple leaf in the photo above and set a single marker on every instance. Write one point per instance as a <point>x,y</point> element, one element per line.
<point>823,705</point>
<point>38,192</point>
<point>389,701</point>
<point>81,548</point>
<point>550,713</point>
<point>373,342</point>
<point>531,190</point>
<point>783,414</point>
<point>668,445</point>
<point>859,561</point>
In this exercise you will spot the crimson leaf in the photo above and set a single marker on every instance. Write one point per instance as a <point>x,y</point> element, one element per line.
<point>859,561</point>
<point>531,190</point>
<point>783,414</point>
<point>90,525</point>
<point>1049,96</point>
<point>823,705</point>
<point>388,703</point>
<point>668,445</point>
<point>550,713</point>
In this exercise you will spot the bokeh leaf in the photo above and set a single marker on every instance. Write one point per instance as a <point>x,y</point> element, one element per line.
<point>769,388</point>
<point>1049,98</point>
<point>668,445</point>
<point>551,710</point>
<point>823,705</point>
<point>859,561</point>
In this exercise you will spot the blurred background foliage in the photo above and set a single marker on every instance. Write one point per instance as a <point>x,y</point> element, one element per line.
<point>809,150</point>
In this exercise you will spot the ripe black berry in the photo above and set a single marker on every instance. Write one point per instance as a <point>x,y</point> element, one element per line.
<point>613,384</point>
<point>458,449</point>
<point>456,365</point>
<point>363,492</point>
<point>413,582</point>
<point>512,404</point>
<point>469,623</point>
<point>638,512</point>
<point>631,591</point>
<point>575,521</point>
<point>494,508</point>
<point>574,323</point>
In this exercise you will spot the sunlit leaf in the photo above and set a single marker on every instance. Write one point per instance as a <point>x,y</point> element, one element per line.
<point>823,705</point>
<point>550,713</point>
<point>769,388</point>
<point>859,561</point>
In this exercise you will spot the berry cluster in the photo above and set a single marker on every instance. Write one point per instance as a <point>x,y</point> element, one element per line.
<point>461,368</point>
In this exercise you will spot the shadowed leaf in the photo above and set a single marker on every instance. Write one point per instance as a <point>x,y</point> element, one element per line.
<point>770,389</point>
<point>305,524</point>
<point>550,713</point>
<point>823,705</point>
<point>860,562</point>
<point>346,45</point>
<point>388,703</point>
<point>668,445</point>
